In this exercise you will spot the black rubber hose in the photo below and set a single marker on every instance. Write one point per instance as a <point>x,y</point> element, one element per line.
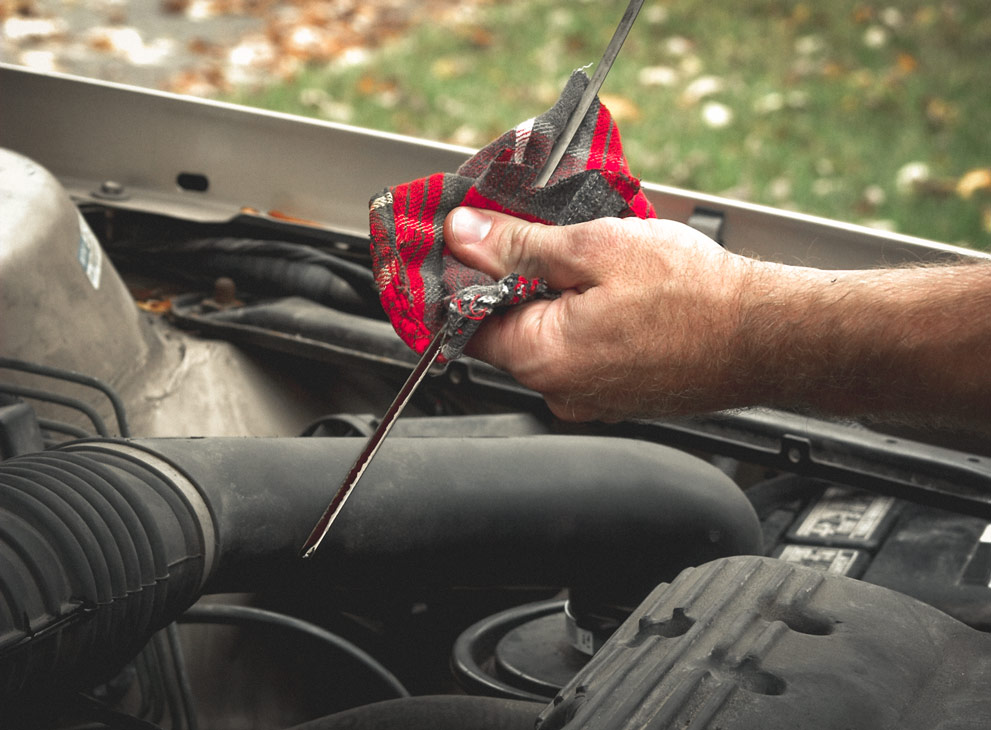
<point>590,512</point>
<point>275,268</point>
<point>355,274</point>
<point>230,614</point>
<point>97,552</point>
<point>268,276</point>
<point>448,712</point>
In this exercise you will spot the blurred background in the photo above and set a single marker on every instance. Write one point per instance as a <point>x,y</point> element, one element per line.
<point>873,113</point>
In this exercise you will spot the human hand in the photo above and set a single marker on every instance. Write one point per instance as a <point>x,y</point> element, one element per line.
<point>645,324</point>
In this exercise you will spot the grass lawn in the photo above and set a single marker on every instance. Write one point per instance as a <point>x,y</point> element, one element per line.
<point>871,113</point>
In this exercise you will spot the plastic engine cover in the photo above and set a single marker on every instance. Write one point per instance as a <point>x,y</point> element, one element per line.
<point>750,642</point>
<point>61,300</point>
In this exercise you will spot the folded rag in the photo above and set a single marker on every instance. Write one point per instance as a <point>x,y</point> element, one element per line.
<point>424,288</point>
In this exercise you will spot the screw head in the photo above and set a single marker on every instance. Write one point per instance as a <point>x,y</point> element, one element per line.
<point>111,190</point>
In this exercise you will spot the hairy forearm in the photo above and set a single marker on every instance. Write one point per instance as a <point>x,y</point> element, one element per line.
<point>655,319</point>
<point>910,343</point>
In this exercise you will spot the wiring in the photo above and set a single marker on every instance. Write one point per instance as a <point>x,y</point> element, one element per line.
<point>185,692</point>
<point>62,400</point>
<point>247,615</point>
<point>60,374</point>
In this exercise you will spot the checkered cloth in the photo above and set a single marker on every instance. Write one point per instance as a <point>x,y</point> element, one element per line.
<point>423,287</point>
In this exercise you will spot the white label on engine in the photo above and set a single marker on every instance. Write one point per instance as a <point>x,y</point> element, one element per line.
<point>89,253</point>
<point>844,514</point>
<point>584,641</point>
<point>829,560</point>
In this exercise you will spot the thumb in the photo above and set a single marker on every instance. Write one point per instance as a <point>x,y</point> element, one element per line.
<point>499,244</point>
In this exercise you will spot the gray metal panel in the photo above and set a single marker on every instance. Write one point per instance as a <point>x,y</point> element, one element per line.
<point>86,132</point>
<point>89,131</point>
<point>794,238</point>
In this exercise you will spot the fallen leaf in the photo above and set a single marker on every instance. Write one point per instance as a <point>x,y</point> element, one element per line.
<point>863,14</point>
<point>155,306</point>
<point>477,35</point>
<point>833,70</point>
<point>202,47</point>
<point>862,78</point>
<point>924,17</point>
<point>939,113</point>
<point>173,7</point>
<point>447,67</point>
<point>620,107</point>
<point>974,181</point>
<point>906,63</point>
<point>801,14</point>
<point>367,85</point>
<point>279,215</point>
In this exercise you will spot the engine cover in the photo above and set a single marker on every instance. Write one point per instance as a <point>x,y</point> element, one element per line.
<point>750,642</point>
<point>63,303</point>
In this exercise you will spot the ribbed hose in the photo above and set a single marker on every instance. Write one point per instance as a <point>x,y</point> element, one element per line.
<point>97,552</point>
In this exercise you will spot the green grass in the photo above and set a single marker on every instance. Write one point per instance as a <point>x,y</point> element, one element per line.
<point>828,101</point>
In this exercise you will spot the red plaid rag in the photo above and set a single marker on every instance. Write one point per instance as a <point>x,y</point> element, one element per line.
<point>423,287</point>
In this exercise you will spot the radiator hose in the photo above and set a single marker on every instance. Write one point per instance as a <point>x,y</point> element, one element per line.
<point>103,542</point>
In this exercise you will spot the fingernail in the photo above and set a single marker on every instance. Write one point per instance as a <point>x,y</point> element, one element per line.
<point>469,225</point>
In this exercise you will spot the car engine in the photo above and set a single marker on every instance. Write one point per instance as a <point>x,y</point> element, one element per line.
<point>181,395</point>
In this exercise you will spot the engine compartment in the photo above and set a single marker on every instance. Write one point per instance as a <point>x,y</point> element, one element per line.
<point>209,382</point>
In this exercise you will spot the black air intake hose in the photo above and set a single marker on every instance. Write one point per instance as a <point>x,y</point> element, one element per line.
<point>572,511</point>
<point>97,552</point>
<point>105,541</point>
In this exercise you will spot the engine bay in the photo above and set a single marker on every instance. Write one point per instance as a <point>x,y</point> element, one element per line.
<point>179,398</point>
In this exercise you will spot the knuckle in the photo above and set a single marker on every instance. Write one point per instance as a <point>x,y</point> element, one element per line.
<point>520,246</point>
<point>595,243</point>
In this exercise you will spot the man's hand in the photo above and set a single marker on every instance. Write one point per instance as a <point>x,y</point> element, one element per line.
<point>647,311</point>
<point>656,319</point>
